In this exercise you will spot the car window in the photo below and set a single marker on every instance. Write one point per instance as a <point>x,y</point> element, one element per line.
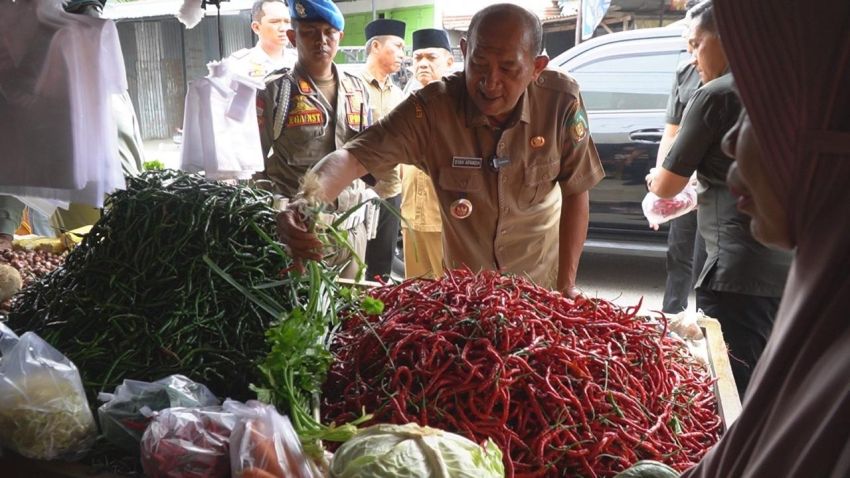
<point>635,82</point>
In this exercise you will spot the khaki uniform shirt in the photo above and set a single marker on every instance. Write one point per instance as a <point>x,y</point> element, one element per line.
<point>516,208</point>
<point>308,126</point>
<point>256,63</point>
<point>419,206</point>
<point>382,100</point>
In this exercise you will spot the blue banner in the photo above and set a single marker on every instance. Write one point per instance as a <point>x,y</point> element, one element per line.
<point>592,13</point>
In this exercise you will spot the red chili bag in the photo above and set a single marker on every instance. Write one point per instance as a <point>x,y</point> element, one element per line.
<point>188,443</point>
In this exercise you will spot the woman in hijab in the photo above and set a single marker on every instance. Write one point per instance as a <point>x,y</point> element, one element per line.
<point>792,65</point>
<point>791,61</point>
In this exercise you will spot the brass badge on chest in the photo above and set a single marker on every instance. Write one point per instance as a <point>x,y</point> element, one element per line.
<point>461,209</point>
<point>537,142</point>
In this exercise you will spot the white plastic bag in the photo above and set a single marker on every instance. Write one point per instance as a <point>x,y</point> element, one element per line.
<point>659,211</point>
<point>126,413</point>
<point>43,410</point>
<point>264,444</point>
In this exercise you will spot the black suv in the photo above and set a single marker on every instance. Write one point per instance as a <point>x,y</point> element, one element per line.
<point>625,79</point>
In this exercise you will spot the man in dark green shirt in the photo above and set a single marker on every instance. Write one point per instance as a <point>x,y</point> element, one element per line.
<point>742,280</point>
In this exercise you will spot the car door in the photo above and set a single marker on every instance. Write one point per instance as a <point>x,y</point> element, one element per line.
<point>625,86</point>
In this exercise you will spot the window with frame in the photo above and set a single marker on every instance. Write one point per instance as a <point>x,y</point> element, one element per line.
<point>633,82</point>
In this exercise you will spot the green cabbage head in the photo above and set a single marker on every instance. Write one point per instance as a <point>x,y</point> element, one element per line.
<point>411,451</point>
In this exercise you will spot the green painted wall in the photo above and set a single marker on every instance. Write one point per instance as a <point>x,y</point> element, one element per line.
<point>414,17</point>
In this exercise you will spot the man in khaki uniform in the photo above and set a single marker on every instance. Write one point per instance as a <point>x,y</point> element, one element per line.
<point>507,145</point>
<point>420,209</point>
<point>309,111</point>
<point>269,21</point>
<point>385,55</point>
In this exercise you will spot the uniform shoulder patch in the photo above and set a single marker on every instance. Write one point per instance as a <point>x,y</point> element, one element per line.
<point>555,80</point>
<point>358,80</point>
<point>577,125</point>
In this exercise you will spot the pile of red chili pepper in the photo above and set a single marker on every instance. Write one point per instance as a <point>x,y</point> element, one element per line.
<point>578,388</point>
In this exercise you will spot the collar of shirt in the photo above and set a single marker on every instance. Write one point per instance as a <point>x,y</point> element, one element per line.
<point>474,116</point>
<point>266,57</point>
<point>367,75</point>
<point>302,75</point>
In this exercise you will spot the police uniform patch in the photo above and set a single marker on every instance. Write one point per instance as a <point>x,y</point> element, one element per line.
<point>299,8</point>
<point>304,86</point>
<point>304,114</point>
<point>355,121</point>
<point>578,126</point>
<point>257,71</point>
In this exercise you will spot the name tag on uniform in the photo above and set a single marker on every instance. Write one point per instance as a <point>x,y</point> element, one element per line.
<point>466,163</point>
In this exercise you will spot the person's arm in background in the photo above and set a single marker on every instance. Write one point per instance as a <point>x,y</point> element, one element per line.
<point>666,184</point>
<point>695,137</point>
<point>581,169</point>
<point>575,214</point>
<point>667,138</point>
<point>673,118</point>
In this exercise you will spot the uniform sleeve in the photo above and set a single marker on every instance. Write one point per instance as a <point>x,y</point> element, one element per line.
<point>398,138</point>
<point>700,128</point>
<point>675,107</point>
<point>581,168</point>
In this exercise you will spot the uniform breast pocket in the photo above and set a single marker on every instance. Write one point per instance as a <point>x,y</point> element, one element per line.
<point>538,182</point>
<point>461,180</point>
<point>303,143</point>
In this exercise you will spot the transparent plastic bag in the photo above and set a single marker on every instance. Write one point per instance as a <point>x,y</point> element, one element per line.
<point>188,443</point>
<point>43,410</point>
<point>659,211</point>
<point>127,412</point>
<point>264,445</point>
<point>8,339</point>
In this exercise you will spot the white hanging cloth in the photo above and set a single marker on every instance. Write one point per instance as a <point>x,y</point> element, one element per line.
<point>220,131</point>
<point>58,72</point>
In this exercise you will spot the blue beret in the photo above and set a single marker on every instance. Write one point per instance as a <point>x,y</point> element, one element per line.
<point>431,38</point>
<point>317,10</point>
<point>385,26</point>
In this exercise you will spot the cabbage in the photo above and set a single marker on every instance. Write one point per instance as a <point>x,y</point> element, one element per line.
<point>411,451</point>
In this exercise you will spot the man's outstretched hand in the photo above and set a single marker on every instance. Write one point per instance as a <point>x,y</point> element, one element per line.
<point>293,231</point>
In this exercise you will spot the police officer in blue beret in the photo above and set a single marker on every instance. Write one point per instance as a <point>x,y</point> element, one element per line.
<point>308,111</point>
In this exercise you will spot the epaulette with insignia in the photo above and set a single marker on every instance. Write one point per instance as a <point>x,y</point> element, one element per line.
<point>356,78</point>
<point>555,80</point>
<point>240,54</point>
<point>277,74</point>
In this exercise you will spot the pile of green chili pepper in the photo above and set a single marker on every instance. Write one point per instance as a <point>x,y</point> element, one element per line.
<point>137,299</point>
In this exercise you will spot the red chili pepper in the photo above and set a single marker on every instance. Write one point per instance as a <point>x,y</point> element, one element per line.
<point>564,387</point>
